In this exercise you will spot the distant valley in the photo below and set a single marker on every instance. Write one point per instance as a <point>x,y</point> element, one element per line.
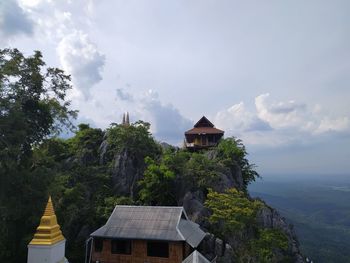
<point>319,209</point>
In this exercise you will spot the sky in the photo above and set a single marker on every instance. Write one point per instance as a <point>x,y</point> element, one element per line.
<point>275,74</point>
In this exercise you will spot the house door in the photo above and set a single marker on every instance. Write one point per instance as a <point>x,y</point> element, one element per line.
<point>204,140</point>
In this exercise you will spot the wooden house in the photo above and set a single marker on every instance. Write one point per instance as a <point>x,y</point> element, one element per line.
<point>203,135</point>
<point>146,234</point>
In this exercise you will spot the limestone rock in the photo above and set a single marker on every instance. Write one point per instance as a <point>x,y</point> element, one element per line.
<point>127,171</point>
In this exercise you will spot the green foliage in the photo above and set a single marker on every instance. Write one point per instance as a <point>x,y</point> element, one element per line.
<point>201,171</point>
<point>85,144</point>
<point>135,137</point>
<point>232,152</point>
<point>50,153</point>
<point>80,193</point>
<point>268,242</point>
<point>33,106</point>
<point>157,186</point>
<point>32,103</point>
<point>176,160</point>
<point>320,213</point>
<point>231,211</point>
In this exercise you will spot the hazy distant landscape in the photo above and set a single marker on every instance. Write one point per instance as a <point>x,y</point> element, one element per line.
<point>319,209</point>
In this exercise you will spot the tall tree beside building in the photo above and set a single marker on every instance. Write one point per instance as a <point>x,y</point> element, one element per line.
<point>33,105</point>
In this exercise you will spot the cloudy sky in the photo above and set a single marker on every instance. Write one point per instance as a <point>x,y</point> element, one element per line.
<point>273,73</point>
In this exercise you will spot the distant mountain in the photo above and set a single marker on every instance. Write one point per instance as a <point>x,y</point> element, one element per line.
<point>319,209</point>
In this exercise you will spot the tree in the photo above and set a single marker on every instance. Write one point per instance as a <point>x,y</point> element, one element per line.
<point>266,244</point>
<point>157,186</point>
<point>32,103</point>
<point>33,106</point>
<point>86,143</point>
<point>201,172</point>
<point>231,211</point>
<point>136,138</point>
<point>233,152</point>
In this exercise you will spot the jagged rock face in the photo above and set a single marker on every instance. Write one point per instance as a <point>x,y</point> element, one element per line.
<point>228,176</point>
<point>215,248</point>
<point>102,152</point>
<point>195,209</point>
<point>127,171</point>
<point>268,217</point>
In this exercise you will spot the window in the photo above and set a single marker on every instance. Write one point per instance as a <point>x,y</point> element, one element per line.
<point>121,247</point>
<point>158,249</point>
<point>98,244</point>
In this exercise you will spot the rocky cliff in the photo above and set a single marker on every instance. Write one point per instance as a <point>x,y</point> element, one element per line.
<point>127,172</point>
<point>95,170</point>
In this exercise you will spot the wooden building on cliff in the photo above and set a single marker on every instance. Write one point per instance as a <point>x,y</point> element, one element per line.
<point>152,234</point>
<point>203,135</point>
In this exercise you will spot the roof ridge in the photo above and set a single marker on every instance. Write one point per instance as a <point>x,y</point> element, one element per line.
<point>147,206</point>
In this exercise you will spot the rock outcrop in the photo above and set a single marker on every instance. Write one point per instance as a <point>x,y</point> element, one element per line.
<point>128,170</point>
<point>268,217</point>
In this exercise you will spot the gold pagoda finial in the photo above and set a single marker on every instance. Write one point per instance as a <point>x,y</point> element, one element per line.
<point>48,232</point>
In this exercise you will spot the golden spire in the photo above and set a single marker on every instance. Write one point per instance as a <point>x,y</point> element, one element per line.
<point>48,232</point>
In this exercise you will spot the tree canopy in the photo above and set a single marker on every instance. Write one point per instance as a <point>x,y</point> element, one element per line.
<point>231,211</point>
<point>32,103</point>
<point>233,152</point>
<point>33,106</point>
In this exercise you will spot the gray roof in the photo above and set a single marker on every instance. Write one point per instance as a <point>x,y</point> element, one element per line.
<point>151,223</point>
<point>191,232</point>
<point>196,257</point>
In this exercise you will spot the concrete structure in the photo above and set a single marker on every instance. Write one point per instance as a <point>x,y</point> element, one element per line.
<point>48,244</point>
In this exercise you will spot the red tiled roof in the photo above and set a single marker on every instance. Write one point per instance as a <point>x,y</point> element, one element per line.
<point>206,130</point>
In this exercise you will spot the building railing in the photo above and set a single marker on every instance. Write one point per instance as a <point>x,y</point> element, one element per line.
<point>192,144</point>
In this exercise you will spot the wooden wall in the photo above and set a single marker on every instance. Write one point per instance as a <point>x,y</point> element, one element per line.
<point>138,254</point>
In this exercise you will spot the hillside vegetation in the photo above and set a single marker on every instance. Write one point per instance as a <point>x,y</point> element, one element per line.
<point>88,174</point>
<point>318,208</point>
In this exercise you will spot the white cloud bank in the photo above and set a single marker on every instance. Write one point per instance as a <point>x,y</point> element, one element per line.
<point>167,123</point>
<point>81,58</point>
<point>63,26</point>
<point>13,20</point>
<point>278,123</point>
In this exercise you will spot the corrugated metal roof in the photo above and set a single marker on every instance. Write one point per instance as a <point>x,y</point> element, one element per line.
<point>191,232</point>
<point>196,257</point>
<point>204,130</point>
<point>152,223</point>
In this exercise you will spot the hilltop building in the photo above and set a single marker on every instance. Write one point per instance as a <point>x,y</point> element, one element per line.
<point>151,234</point>
<point>203,135</point>
<point>48,244</point>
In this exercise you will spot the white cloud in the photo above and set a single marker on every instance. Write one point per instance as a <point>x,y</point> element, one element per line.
<point>13,20</point>
<point>167,122</point>
<point>237,120</point>
<point>280,114</point>
<point>279,123</point>
<point>123,95</point>
<point>80,58</point>
<point>68,35</point>
<point>327,124</point>
<point>30,3</point>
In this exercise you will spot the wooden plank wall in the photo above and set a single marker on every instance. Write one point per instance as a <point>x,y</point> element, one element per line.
<point>139,254</point>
